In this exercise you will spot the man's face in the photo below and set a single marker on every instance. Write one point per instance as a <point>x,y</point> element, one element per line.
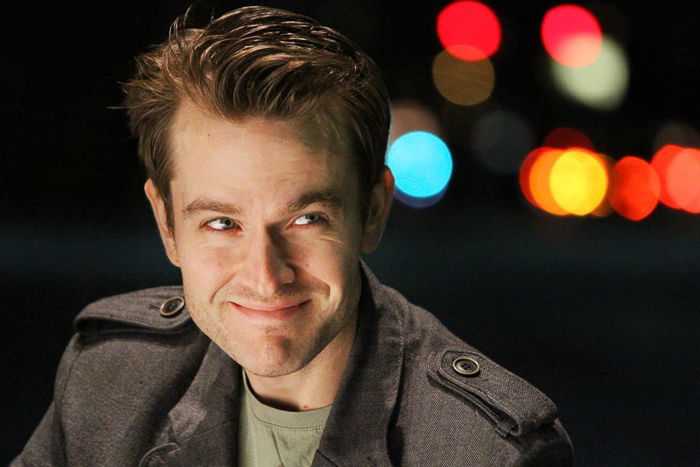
<point>267,233</point>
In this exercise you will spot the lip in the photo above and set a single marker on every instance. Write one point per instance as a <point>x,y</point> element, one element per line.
<point>279,312</point>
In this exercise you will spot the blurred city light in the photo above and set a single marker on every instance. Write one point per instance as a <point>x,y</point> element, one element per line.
<point>470,24</point>
<point>634,188</point>
<point>676,132</point>
<point>409,115</point>
<point>564,138</point>
<point>566,181</point>
<point>578,182</point>
<point>422,166</point>
<point>682,179</point>
<point>539,180</point>
<point>499,140</point>
<point>601,85</point>
<point>661,162</point>
<point>463,82</point>
<point>525,179</point>
<point>571,35</point>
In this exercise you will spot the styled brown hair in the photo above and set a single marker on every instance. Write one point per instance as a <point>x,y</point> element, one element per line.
<point>261,62</point>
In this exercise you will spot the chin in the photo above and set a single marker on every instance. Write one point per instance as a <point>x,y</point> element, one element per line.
<point>272,356</point>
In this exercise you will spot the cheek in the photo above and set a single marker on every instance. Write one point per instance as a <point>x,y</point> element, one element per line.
<point>206,265</point>
<point>329,262</point>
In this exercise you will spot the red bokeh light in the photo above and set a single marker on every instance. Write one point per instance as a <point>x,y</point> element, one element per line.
<point>471,24</point>
<point>634,189</point>
<point>683,179</point>
<point>571,35</point>
<point>564,138</point>
<point>661,162</point>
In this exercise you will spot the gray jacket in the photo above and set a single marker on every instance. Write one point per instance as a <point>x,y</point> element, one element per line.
<point>138,388</point>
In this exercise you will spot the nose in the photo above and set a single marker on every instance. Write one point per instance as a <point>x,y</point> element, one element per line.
<point>265,268</point>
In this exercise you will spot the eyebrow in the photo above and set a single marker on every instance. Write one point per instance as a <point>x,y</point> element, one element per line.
<point>206,204</point>
<point>329,198</point>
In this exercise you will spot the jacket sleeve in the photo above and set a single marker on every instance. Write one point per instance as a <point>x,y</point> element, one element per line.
<point>549,446</point>
<point>46,446</point>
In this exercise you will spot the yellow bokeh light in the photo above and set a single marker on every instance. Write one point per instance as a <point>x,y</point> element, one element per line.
<point>578,182</point>
<point>463,82</point>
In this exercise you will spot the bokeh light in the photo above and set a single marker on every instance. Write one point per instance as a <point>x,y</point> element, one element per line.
<point>526,171</point>
<point>683,179</point>
<point>460,82</point>
<point>604,209</point>
<point>499,140</point>
<point>422,166</point>
<point>564,138</point>
<point>677,132</point>
<point>409,115</point>
<point>661,162</point>
<point>540,188</point>
<point>601,85</point>
<point>566,181</point>
<point>571,35</point>
<point>470,24</point>
<point>578,182</point>
<point>634,188</point>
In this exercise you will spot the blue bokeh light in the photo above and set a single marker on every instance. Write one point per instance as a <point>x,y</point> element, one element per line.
<point>421,163</point>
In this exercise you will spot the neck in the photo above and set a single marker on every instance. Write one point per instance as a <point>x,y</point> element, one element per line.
<point>313,386</point>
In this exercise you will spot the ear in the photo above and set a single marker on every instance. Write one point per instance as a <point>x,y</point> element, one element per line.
<point>159,212</point>
<point>378,211</point>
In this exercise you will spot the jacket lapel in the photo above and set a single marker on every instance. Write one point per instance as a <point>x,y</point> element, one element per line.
<point>357,428</point>
<point>204,424</point>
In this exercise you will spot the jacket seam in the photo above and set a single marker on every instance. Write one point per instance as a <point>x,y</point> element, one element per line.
<point>59,393</point>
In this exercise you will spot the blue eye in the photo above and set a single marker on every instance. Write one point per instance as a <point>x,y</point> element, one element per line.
<point>221,223</point>
<point>308,219</point>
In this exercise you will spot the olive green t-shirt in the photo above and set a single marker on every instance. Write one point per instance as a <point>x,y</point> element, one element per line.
<point>270,437</point>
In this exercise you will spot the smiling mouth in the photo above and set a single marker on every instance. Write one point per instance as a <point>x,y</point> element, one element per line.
<point>269,312</point>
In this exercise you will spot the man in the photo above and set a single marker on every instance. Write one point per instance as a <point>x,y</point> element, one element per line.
<point>263,136</point>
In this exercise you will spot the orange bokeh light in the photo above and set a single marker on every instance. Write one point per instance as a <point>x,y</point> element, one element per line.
<point>525,170</point>
<point>539,181</point>
<point>571,35</point>
<point>635,188</point>
<point>564,138</point>
<point>470,24</point>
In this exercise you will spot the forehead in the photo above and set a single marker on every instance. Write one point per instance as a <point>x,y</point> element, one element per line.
<point>252,156</point>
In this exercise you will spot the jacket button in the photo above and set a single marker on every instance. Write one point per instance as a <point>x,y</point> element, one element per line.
<point>466,366</point>
<point>172,307</point>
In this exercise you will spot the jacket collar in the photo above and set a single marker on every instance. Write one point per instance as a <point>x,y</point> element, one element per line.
<point>357,427</point>
<point>205,421</point>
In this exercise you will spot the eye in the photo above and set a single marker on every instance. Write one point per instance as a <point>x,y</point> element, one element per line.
<point>308,219</point>
<point>221,223</point>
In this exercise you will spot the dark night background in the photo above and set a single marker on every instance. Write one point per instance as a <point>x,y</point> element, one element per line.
<point>603,315</point>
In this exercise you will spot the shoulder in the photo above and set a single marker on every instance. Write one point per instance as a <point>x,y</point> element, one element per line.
<point>158,310</point>
<point>138,338</point>
<point>132,358</point>
<point>453,395</point>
